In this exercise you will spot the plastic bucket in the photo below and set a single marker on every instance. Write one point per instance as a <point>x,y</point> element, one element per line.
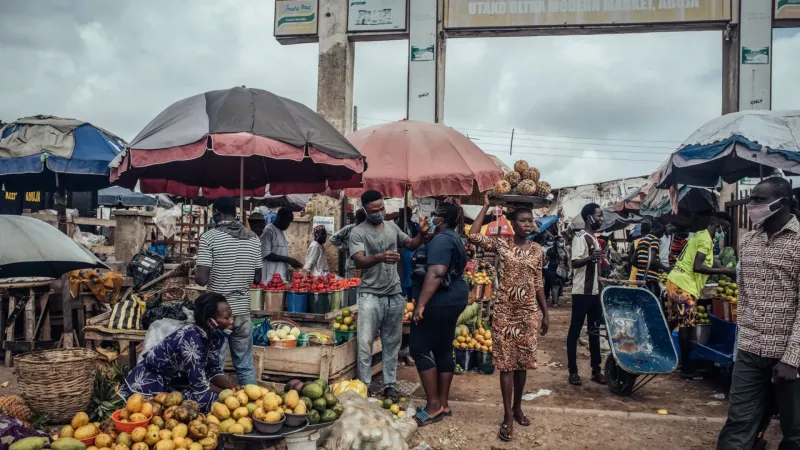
<point>296,302</point>
<point>319,303</point>
<point>256,299</point>
<point>701,334</point>
<point>337,298</point>
<point>340,337</point>
<point>483,362</point>
<point>465,359</point>
<point>273,301</point>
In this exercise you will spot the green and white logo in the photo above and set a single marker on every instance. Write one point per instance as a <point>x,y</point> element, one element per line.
<point>422,53</point>
<point>784,3</point>
<point>296,19</point>
<point>755,55</point>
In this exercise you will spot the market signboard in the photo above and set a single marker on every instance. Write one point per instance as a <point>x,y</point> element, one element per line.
<point>376,15</point>
<point>549,13</point>
<point>325,221</point>
<point>787,9</point>
<point>296,17</point>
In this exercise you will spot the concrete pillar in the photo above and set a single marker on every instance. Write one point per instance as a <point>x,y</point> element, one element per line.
<point>130,232</point>
<point>441,52</point>
<point>336,61</point>
<point>730,91</point>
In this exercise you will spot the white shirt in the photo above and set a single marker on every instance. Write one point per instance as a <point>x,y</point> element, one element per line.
<point>663,250</point>
<point>273,240</point>
<point>579,251</point>
<point>316,263</point>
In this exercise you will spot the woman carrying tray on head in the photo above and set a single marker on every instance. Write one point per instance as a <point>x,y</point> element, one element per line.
<point>520,313</point>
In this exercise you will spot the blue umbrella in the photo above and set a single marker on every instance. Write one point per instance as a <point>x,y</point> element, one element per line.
<point>46,153</point>
<point>116,195</point>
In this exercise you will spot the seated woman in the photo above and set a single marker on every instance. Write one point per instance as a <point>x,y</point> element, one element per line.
<point>187,361</point>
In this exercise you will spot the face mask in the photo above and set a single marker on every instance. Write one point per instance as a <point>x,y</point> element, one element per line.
<point>224,334</point>
<point>719,236</point>
<point>595,225</point>
<point>560,245</point>
<point>760,213</point>
<point>375,219</point>
<point>549,243</point>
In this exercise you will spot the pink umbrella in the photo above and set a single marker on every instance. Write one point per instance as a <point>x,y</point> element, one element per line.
<point>428,158</point>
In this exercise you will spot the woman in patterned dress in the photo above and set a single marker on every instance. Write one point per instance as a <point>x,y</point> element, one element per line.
<point>187,360</point>
<point>518,311</point>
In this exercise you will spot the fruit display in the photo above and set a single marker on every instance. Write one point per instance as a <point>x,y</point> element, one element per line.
<point>397,410</point>
<point>469,316</point>
<point>543,189</point>
<point>727,290</point>
<point>321,285</point>
<point>513,178</point>
<point>480,340</point>
<point>14,406</point>
<point>477,278</point>
<point>532,174</point>
<point>175,423</point>
<point>284,334</point>
<point>502,187</point>
<point>314,399</point>
<point>521,166</point>
<point>345,321</point>
<point>702,316</point>
<point>343,386</point>
<point>275,284</point>
<point>409,311</point>
<point>527,187</point>
<point>523,180</point>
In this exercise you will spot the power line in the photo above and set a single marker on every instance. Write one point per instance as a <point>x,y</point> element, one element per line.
<point>577,157</point>
<point>577,149</point>
<point>580,143</point>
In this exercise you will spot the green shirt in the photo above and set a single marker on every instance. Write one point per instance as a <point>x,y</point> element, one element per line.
<point>683,274</point>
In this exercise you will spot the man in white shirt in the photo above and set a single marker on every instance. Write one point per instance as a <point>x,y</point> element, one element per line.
<point>586,259</point>
<point>316,263</point>
<point>665,245</point>
<point>275,248</point>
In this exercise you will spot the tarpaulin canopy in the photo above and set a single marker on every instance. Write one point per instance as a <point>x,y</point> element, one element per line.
<point>116,195</point>
<point>735,146</point>
<point>543,223</point>
<point>613,221</point>
<point>661,202</point>
<point>42,153</point>
<point>430,159</point>
<point>235,140</point>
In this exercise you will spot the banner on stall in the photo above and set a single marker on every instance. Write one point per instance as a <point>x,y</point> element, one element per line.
<point>326,221</point>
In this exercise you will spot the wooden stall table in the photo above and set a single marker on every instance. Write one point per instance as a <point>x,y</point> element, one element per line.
<point>93,334</point>
<point>307,320</point>
<point>23,298</point>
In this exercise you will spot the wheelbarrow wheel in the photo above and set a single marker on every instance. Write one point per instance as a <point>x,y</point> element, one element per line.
<point>619,380</point>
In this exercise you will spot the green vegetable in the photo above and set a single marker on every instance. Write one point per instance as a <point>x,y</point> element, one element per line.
<point>323,383</point>
<point>313,417</point>
<point>328,416</point>
<point>468,313</point>
<point>320,404</point>
<point>33,443</point>
<point>338,409</point>
<point>313,391</point>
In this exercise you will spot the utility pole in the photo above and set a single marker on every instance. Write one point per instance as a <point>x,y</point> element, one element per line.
<point>511,147</point>
<point>355,118</point>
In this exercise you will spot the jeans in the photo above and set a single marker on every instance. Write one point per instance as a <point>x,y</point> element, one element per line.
<point>584,306</point>
<point>241,345</point>
<point>750,394</point>
<point>384,314</point>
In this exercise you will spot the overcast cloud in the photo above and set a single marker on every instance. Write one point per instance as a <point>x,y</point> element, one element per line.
<point>119,63</point>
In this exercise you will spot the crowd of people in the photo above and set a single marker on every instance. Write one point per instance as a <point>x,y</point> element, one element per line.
<point>232,257</point>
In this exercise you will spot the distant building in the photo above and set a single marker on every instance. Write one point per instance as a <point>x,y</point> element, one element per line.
<point>568,201</point>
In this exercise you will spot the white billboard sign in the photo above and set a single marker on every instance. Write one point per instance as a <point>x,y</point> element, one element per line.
<point>422,61</point>
<point>376,15</point>
<point>755,57</point>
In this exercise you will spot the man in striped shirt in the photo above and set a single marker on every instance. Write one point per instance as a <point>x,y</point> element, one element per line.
<point>648,262</point>
<point>228,262</point>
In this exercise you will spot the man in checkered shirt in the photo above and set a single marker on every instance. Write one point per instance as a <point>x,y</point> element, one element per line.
<point>767,362</point>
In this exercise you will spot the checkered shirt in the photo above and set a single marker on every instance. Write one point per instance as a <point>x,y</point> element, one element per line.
<point>769,292</point>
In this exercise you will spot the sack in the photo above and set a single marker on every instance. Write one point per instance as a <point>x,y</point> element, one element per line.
<point>160,329</point>
<point>127,315</point>
<point>361,415</point>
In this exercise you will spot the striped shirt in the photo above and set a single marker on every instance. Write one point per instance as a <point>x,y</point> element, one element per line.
<point>233,263</point>
<point>647,244</point>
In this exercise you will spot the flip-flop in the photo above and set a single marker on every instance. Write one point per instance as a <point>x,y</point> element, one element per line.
<point>444,413</point>
<point>525,422</point>
<point>574,379</point>
<point>423,419</point>
<point>503,433</point>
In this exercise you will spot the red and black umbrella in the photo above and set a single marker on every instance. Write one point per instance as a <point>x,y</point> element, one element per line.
<point>238,141</point>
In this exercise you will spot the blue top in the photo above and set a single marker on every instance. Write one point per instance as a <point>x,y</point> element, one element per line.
<point>447,249</point>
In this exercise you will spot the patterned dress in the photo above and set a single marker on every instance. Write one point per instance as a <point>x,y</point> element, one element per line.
<point>516,317</point>
<point>185,361</point>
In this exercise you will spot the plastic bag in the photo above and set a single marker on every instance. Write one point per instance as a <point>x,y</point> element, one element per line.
<point>505,228</point>
<point>160,329</point>
<point>157,310</point>
<point>167,221</point>
<point>365,426</point>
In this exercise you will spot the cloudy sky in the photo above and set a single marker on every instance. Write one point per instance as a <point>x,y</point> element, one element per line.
<point>608,106</point>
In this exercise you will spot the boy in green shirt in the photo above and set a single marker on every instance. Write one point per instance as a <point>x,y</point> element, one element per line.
<point>687,278</point>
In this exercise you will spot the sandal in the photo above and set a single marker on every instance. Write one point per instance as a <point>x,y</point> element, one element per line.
<point>424,419</point>
<point>523,420</point>
<point>574,379</point>
<point>504,434</point>
<point>599,378</point>
<point>444,413</point>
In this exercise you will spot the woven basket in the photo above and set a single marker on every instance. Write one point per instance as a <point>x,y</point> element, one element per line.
<point>58,382</point>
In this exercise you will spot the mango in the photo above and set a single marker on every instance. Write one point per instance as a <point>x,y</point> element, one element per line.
<point>30,443</point>
<point>66,431</point>
<point>85,432</point>
<point>79,420</point>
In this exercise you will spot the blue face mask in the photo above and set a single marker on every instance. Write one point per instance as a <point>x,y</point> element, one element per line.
<point>560,245</point>
<point>549,243</point>
<point>223,334</point>
<point>375,219</point>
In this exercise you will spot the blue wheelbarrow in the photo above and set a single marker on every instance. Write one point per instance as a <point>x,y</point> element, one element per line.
<point>639,337</point>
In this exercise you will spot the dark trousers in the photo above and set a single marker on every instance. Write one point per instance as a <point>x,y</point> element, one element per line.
<point>431,341</point>
<point>583,307</point>
<point>750,396</point>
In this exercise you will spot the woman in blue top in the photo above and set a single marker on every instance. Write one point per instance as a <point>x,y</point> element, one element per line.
<point>437,311</point>
<point>187,361</point>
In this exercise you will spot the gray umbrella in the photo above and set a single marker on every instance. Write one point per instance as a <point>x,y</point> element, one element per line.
<point>32,248</point>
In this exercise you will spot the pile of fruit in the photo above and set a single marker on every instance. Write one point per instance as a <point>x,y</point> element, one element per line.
<point>398,410</point>
<point>275,284</point>
<point>14,406</point>
<point>321,285</point>
<point>702,316</point>
<point>175,423</point>
<point>523,180</point>
<point>284,334</point>
<point>727,290</point>
<point>480,340</point>
<point>345,321</point>
<point>477,278</point>
<point>316,399</point>
<point>409,311</point>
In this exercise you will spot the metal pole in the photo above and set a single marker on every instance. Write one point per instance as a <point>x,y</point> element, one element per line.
<point>241,192</point>
<point>511,147</point>
<point>355,119</point>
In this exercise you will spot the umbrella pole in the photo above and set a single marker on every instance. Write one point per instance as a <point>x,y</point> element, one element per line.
<point>241,192</point>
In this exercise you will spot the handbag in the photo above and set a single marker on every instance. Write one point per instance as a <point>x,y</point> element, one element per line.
<point>127,315</point>
<point>420,259</point>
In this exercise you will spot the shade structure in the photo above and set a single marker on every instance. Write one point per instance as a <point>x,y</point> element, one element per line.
<point>685,200</point>
<point>116,195</point>
<point>428,158</point>
<point>238,139</point>
<point>544,223</point>
<point>735,146</point>
<point>614,221</point>
<point>45,153</point>
<point>32,248</point>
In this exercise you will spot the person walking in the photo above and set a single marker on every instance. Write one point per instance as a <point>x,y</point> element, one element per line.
<point>275,248</point>
<point>558,268</point>
<point>586,258</point>
<point>441,298</point>
<point>228,262</point>
<point>341,240</point>
<point>688,277</point>
<point>768,356</point>
<point>520,312</point>
<point>381,304</point>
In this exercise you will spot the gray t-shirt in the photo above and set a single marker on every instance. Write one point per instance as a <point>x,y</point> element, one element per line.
<point>273,240</point>
<point>380,279</point>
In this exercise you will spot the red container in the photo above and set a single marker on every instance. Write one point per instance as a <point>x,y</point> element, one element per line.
<point>127,427</point>
<point>88,442</point>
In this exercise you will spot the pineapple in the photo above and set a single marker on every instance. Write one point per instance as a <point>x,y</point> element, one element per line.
<point>543,189</point>
<point>502,187</point>
<point>531,174</point>
<point>521,166</point>
<point>513,178</point>
<point>527,187</point>
<point>14,406</point>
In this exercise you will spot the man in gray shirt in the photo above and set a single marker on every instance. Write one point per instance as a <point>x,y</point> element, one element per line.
<point>373,248</point>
